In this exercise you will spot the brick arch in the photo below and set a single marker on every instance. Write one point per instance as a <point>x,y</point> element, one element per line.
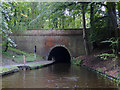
<point>63,48</point>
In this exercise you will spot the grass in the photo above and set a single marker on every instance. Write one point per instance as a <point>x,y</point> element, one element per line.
<point>7,54</point>
<point>18,51</point>
<point>18,55</point>
<point>6,69</point>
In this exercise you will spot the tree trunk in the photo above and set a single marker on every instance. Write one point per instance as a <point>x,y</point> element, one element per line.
<point>56,23</point>
<point>112,14</point>
<point>15,17</point>
<point>49,21</point>
<point>63,22</point>
<point>91,13</point>
<point>33,13</point>
<point>118,5</point>
<point>6,47</point>
<point>91,23</point>
<point>74,20</point>
<point>60,23</point>
<point>85,32</point>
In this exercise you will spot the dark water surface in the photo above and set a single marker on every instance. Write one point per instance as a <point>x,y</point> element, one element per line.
<point>57,76</point>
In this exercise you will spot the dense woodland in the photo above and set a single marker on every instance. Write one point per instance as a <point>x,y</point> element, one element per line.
<point>101,18</point>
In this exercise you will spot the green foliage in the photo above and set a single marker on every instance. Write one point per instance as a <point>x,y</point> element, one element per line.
<point>7,54</point>
<point>98,31</point>
<point>101,24</point>
<point>19,28</point>
<point>48,15</point>
<point>15,19</point>
<point>62,15</point>
<point>18,55</point>
<point>6,28</point>
<point>113,43</point>
<point>19,16</point>
<point>105,56</point>
<point>28,58</point>
<point>18,51</point>
<point>76,61</point>
<point>11,43</point>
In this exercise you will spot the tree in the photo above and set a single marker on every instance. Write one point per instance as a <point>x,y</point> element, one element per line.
<point>18,16</point>
<point>101,24</point>
<point>13,21</point>
<point>118,8</point>
<point>112,12</point>
<point>5,28</point>
<point>84,31</point>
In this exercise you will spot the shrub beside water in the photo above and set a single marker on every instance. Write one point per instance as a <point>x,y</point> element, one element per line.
<point>76,61</point>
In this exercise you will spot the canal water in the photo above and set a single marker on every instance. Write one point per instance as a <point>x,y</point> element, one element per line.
<point>59,75</point>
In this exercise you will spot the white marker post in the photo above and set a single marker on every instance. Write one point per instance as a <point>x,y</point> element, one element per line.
<point>13,58</point>
<point>35,52</point>
<point>24,59</point>
<point>24,62</point>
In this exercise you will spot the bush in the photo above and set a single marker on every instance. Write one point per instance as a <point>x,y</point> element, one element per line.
<point>76,61</point>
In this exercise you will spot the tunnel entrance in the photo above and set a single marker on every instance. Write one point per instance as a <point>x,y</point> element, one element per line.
<point>59,54</point>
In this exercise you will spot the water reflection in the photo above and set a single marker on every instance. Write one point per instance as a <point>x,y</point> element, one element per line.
<point>60,68</point>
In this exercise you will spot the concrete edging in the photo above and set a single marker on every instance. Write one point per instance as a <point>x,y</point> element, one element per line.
<point>26,68</point>
<point>9,72</point>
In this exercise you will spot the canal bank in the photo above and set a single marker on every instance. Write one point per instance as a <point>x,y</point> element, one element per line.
<point>15,60</point>
<point>108,68</point>
<point>117,80</point>
<point>10,69</point>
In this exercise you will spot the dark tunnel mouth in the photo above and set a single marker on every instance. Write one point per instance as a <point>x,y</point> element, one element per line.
<point>59,54</point>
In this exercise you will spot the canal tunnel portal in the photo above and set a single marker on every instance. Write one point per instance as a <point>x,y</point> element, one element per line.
<point>59,54</point>
<point>45,40</point>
